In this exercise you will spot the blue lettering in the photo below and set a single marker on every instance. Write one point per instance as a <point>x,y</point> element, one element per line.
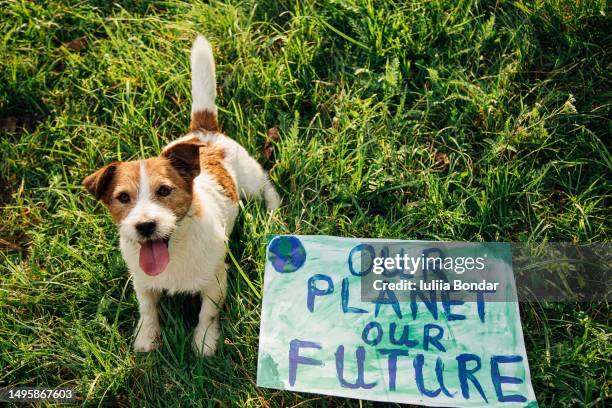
<point>314,291</point>
<point>447,302</point>
<point>295,358</point>
<point>434,340</point>
<point>359,382</point>
<point>404,338</point>
<point>366,331</point>
<point>418,363</point>
<point>465,375</point>
<point>391,299</point>
<point>499,379</point>
<point>360,248</point>
<point>430,303</point>
<point>345,299</point>
<point>392,363</point>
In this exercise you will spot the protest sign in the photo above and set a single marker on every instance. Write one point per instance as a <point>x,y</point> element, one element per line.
<point>320,334</point>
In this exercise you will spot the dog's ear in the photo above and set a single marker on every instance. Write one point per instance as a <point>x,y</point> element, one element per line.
<point>99,182</point>
<point>185,158</point>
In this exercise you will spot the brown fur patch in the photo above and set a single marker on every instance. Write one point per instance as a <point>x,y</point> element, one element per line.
<point>106,185</point>
<point>204,120</point>
<point>185,158</point>
<point>161,172</point>
<point>99,182</point>
<point>211,159</point>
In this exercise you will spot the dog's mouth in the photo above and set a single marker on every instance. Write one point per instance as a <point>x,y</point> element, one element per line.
<point>154,256</point>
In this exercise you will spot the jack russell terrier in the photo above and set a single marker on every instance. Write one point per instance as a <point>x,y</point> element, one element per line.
<point>175,211</point>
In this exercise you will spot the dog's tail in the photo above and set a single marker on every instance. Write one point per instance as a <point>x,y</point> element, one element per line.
<point>203,87</point>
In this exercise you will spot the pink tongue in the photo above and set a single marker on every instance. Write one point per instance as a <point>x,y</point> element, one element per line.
<point>154,257</point>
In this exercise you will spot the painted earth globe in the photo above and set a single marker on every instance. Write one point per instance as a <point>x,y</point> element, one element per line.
<point>286,254</point>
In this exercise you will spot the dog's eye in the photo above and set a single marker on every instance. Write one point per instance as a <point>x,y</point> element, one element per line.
<point>164,191</point>
<point>123,198</point>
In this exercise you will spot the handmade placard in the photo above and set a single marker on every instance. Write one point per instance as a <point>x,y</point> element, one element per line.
<point>446,333</point>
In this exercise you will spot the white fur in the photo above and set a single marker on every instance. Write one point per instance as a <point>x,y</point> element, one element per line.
<point>197,245</point>
<point>203,82</point>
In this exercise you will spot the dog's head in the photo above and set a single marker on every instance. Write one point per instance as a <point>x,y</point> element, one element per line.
<point>148,198</point>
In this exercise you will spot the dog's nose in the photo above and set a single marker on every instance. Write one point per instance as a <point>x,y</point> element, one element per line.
<point>146,228</point>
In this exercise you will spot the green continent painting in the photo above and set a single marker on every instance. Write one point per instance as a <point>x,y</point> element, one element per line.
<point>318,335</point>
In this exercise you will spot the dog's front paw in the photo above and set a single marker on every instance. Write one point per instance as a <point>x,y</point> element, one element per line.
<point>147,339</point>
<point>205,339</point>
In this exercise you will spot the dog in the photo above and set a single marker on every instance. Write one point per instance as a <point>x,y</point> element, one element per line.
<point>176,211</point>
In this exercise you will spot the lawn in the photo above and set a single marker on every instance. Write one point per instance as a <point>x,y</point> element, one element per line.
<point>431,119</point>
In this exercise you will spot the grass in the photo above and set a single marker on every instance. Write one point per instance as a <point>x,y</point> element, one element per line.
<point>441,120</point>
